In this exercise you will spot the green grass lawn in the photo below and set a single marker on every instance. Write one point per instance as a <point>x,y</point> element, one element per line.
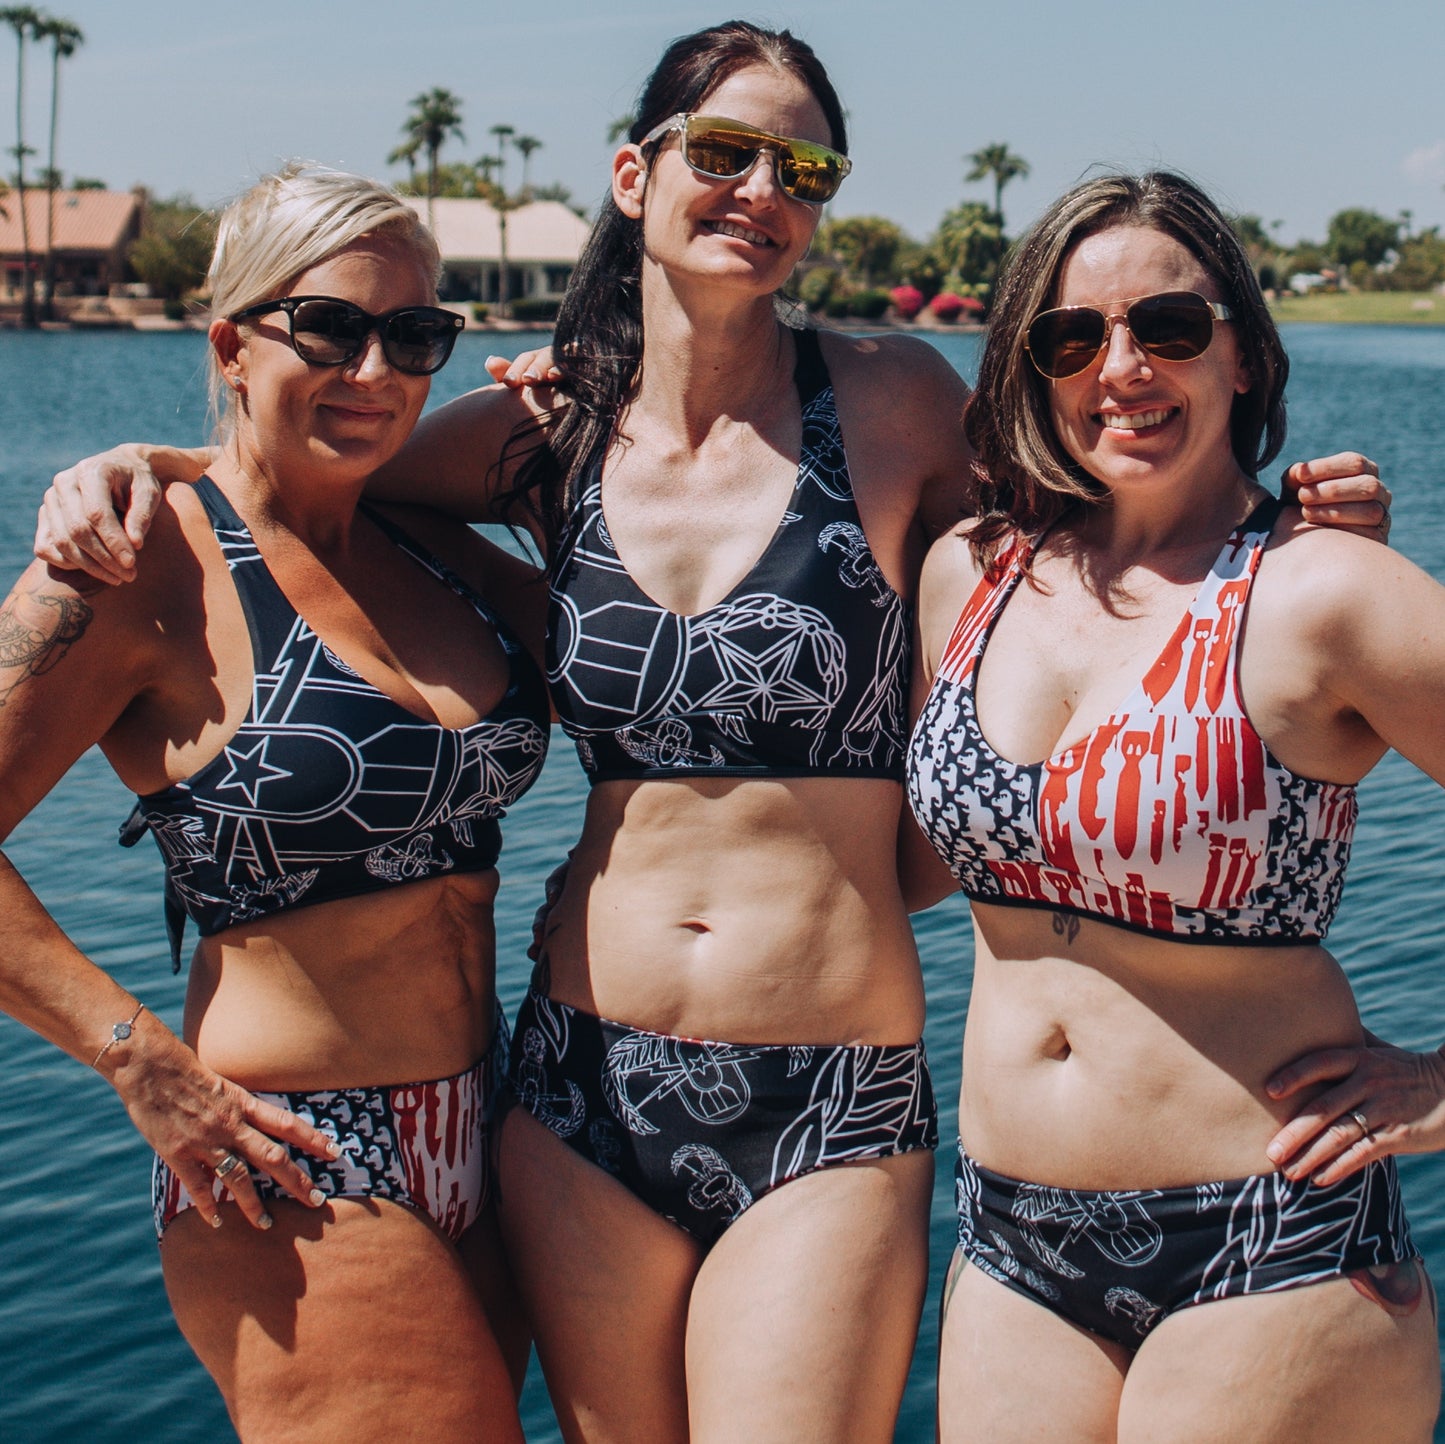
<point>1374,308</point>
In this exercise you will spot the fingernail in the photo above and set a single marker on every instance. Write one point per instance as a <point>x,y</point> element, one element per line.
<point>316,1198</point>
<point>215,1220</point>
<point>333,1149</point>
<point>1274,1153</point>
<point>265,1221</point>
<point>529,376</point>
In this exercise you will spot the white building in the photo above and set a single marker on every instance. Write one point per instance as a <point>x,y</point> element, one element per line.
<point>544,239</point>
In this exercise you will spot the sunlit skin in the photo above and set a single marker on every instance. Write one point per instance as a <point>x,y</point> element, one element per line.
<point>1096,1058</point>
<point>328,1318</point>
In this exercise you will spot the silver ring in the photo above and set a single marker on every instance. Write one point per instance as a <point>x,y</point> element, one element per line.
<point>227,1166</point>
<point>1364,1126</point>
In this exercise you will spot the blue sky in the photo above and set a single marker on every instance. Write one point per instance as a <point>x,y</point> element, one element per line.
<point>1285,109</point>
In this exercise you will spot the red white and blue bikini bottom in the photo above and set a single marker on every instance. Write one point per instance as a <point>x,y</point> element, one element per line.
<point>425,1145</point>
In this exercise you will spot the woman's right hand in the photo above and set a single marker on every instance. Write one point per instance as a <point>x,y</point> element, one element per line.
<point>95,516</point>
<point>195,1120</point>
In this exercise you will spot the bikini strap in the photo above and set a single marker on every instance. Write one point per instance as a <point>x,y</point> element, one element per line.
<point>810,371</point>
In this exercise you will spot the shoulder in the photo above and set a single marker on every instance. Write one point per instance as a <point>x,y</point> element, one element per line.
<point>919,371</point>
<point>951,573</point>
<point>1334,590</point>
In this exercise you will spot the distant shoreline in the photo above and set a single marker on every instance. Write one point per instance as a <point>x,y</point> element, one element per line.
<point>1338,308</point>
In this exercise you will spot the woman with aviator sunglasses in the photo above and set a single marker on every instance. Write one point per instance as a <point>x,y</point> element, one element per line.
<point>324,715</point>
<point>716,1186</point>
<point>1146,692</point>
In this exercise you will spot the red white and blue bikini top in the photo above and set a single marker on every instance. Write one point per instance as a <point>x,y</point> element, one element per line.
<point>801,670</point>
<point>329,788</point>
<point>1171,817</point>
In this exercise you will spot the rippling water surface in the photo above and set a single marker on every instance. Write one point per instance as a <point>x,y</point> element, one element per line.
<point>87,1346</point>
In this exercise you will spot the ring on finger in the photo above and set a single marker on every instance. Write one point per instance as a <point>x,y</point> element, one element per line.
<point>227,1166</point>
<point>1365,1130</point>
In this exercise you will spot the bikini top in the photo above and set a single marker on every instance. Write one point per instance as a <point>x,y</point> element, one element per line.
<point>329,788</point>
<point>800,671</point>
<point>1171,817</point>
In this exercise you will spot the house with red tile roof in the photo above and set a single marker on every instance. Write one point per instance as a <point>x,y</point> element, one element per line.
<point>93,232</point>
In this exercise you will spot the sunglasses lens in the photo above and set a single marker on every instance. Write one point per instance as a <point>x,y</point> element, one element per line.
<point>1175,326</point>
<point>809,172</point>
<point>1064,342</point>
<point>420,341</point>
<point>327,333</point>
<point>716,149</point>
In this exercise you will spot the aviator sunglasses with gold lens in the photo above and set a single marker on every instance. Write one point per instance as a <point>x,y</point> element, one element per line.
<point>727,150</point>
<point>1173,325</point>
<point>325,331</point>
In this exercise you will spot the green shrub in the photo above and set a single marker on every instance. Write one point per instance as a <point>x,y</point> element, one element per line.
<point>176,310</point>
<point>869,305</point>
<point>816,288</point>
<point>535,308</point>
<point>480,312</point>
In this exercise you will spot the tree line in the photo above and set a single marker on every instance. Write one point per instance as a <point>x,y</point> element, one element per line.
<point>859,265</point>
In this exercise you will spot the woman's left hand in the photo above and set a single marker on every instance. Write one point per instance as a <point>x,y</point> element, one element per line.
<point>1379,1100</point>
<point>1341,490</point>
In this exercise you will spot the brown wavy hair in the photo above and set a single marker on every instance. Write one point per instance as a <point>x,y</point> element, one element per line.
<point>1023,479</point>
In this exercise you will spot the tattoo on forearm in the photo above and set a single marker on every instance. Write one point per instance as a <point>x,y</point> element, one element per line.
<point>36,631</point>
<point>1066,926</point>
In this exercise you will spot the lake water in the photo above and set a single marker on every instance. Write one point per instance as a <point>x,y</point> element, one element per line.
<point>87,1345</point>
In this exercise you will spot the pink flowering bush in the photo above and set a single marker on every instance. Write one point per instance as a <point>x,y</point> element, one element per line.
<point>947,306</point>
<point>907,301</point>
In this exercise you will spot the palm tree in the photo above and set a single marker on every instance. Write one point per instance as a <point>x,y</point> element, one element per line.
<point>620,127</point>
<point>526,144</point>
<point>65,39</point>
<point>502,205</point>
<point>25,21</point>
<point>1002,164</point>
<point>436,116</point>
<point>406,153</point>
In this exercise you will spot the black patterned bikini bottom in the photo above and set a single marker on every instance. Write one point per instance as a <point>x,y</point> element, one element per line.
<point>699,1131</point>
<point>1120,1262</point>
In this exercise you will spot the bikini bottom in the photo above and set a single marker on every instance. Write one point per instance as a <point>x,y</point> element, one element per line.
<point>424,1145</point>
<point>699,1131</point>
<point>1120,1262</point>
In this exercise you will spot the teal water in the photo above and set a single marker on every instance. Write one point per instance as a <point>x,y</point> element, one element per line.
<point>87,1346</point>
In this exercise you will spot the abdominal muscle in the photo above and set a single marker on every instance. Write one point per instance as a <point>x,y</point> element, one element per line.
<point>747,911</point>
<point>1097,1058</point>
<point>395,986</point>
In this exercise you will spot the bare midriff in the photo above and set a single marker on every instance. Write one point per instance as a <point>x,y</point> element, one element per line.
<point>1099,1058</point>
<point>747,911</point>
<point>396,986</point>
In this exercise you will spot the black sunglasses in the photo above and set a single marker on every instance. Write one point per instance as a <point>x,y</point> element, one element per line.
<point>1173,325</point>
<point>326,332</point>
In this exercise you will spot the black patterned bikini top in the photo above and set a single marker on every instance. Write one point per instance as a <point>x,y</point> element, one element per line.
<point>1171,817</point>
<point>800,671</point>
<point>329,788</point>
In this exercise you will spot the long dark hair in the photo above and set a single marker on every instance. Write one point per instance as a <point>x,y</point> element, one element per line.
<point>1023,478</point>
<point>597,345</point>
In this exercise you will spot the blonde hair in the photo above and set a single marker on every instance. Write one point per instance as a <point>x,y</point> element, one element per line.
<point>286,224</point>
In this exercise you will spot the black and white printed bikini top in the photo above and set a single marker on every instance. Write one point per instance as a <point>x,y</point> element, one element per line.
<point>801,670</point>
<point>329,788</point>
